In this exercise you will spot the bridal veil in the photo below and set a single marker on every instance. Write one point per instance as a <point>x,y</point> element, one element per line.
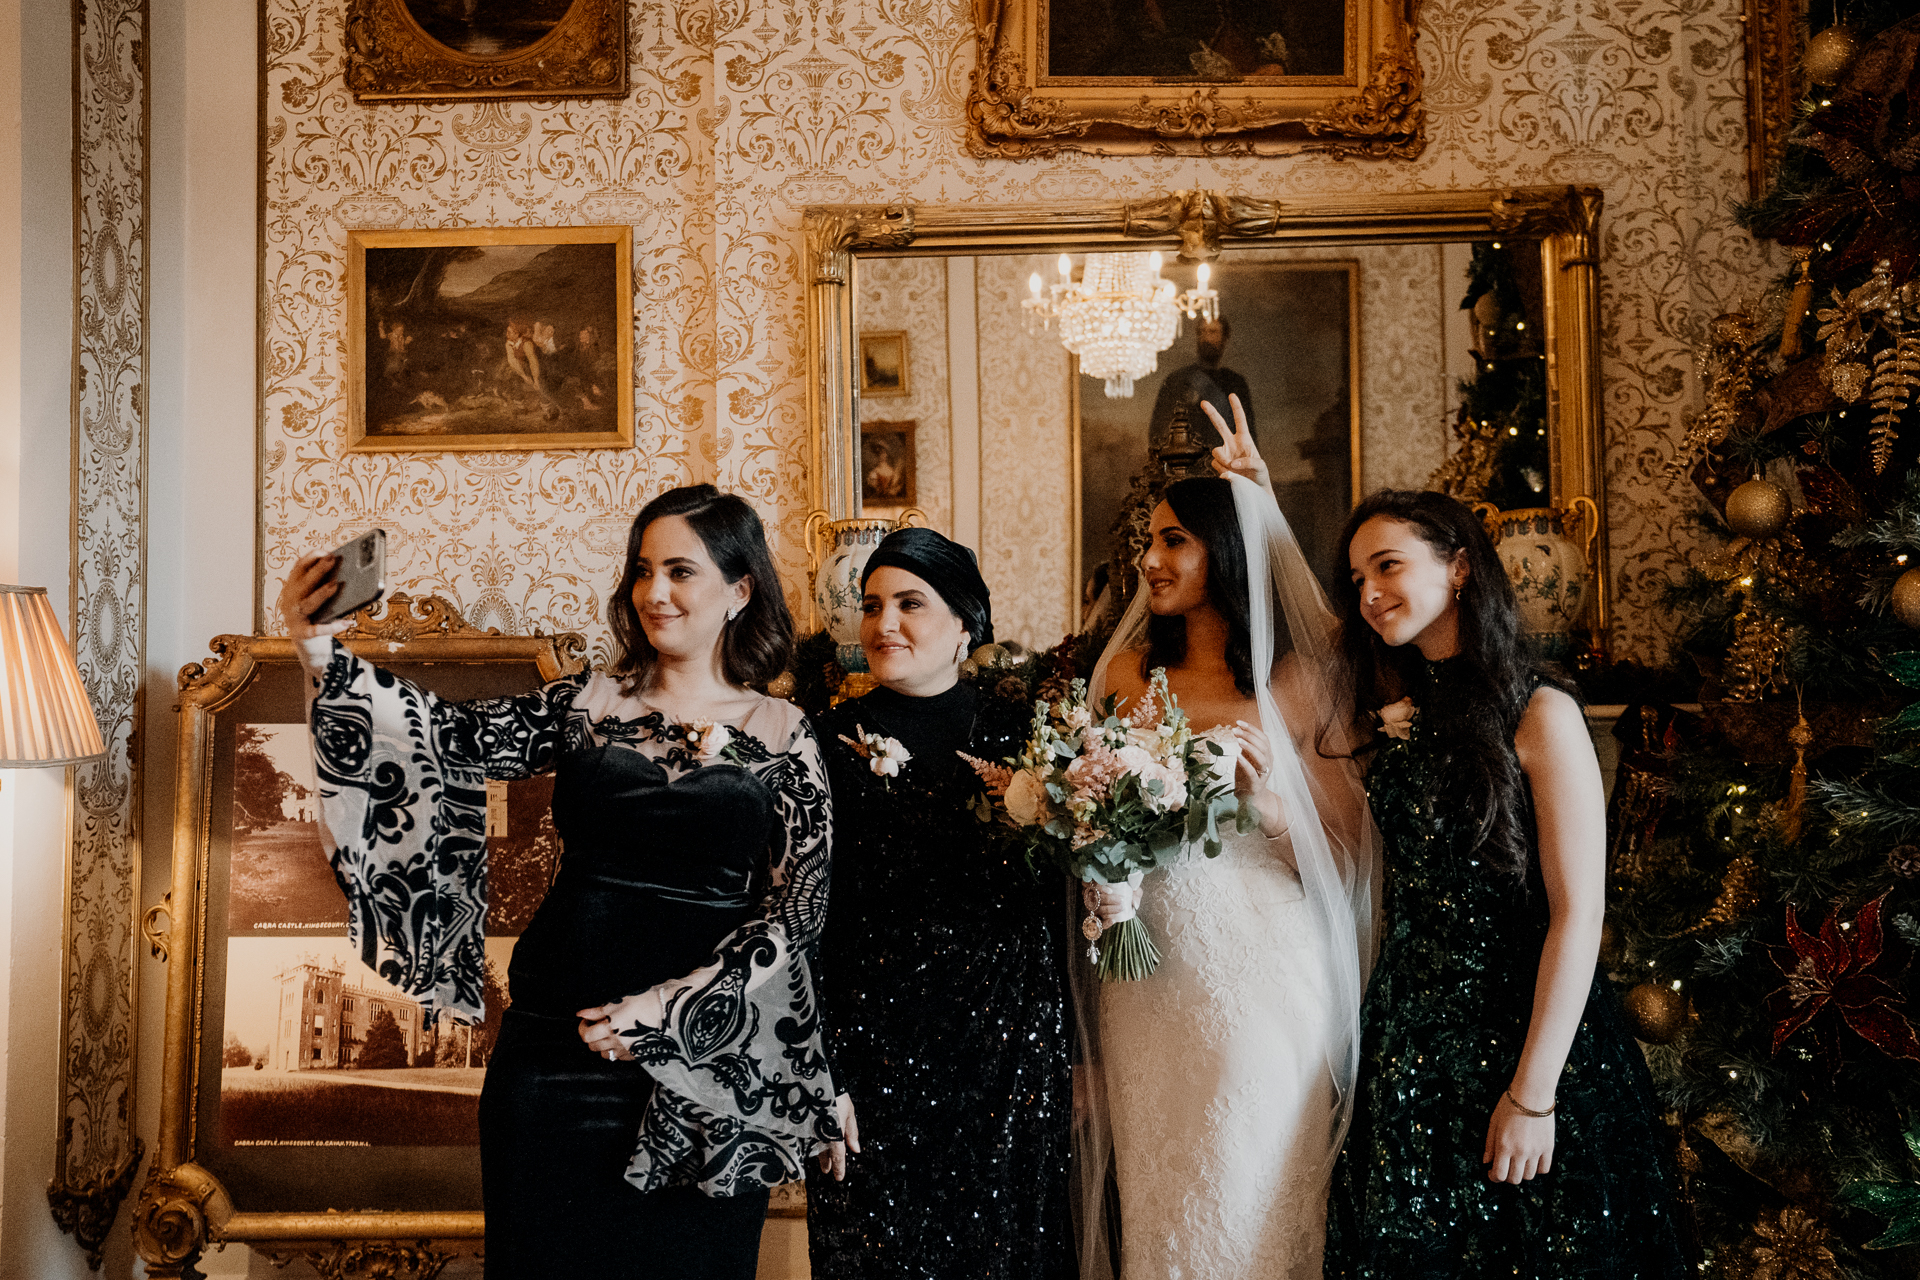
<point>1335,849</point>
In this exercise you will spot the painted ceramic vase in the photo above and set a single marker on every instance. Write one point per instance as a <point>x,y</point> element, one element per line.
<point>836,580</point>
<point>1549,573</point>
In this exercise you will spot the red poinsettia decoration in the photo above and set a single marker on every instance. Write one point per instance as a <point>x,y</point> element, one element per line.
<point>1842,968</point>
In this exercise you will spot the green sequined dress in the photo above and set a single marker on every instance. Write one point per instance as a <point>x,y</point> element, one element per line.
<point>1445,1017</point>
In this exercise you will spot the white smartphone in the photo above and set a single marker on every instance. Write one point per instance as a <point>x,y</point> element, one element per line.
<point>361,573</point>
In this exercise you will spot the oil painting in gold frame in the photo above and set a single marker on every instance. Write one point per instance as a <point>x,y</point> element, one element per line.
<point>489,339</point>
<point>459,50</point>
<point>1195,77</point>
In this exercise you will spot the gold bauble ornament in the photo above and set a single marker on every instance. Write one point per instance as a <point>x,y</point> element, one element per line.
<point>1906,598</point>
<point>1830,53</point>
<point>1758,509</point>
<point>1654,1013</point>
<point>988,656</point>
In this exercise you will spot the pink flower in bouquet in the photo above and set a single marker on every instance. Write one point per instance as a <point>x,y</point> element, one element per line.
<point>1091,775</point>
<point>1147,714</point>
<point>996,776</point>
<point>1084,834</point>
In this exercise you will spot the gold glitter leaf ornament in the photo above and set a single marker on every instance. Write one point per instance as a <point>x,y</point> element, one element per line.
<point>1739,894</point>
<point>1731,366</point>
<point>1849,380</point>
<point>1896,372</point>
<point>1792,1246</point>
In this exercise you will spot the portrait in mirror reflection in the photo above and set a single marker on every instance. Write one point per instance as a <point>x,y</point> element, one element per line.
<point>1205,41</point>
<point>1287,345</point>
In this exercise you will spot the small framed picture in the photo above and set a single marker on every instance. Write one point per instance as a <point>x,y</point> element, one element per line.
<point>887,477</point>
<point>883,364</point>
<point>463,51</point>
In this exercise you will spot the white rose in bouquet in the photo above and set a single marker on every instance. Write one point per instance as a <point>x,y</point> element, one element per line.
<point>1171,777</point>
<point>1026,799</point>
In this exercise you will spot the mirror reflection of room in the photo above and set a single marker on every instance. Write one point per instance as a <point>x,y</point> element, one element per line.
<point>1358,367</point>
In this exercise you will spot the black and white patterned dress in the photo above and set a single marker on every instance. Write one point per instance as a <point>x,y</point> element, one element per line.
<point>705,880</point>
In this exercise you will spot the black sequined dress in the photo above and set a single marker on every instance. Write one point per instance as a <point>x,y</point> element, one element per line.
<point>1445,1018</point>
<point>946,1011</point>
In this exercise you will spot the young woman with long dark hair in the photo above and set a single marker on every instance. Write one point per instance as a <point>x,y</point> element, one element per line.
<point>661,1065</point>
<point>1222,1078</point>
<point>1504,1120</point>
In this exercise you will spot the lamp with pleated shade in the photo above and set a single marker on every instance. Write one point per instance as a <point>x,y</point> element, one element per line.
<point>45,718</point>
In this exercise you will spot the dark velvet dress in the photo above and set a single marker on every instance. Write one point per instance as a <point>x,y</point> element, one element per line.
<point>706,875</point>
<point>1444,1021</point>
<point>946,1009</point>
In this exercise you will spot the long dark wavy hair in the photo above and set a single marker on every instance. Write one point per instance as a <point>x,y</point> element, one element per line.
<point>1204,508</point>
<point>1497,666</point>
<point>756,646</point>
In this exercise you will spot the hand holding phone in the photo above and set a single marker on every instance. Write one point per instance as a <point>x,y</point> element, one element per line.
<point>324,590</point>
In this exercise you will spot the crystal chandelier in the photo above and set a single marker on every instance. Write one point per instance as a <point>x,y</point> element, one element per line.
<point>1119,316</point>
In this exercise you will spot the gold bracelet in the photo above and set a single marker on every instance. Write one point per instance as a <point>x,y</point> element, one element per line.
<point>1529,1111</point>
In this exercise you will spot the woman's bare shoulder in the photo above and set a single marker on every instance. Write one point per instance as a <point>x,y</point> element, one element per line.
<point>1124,676</point>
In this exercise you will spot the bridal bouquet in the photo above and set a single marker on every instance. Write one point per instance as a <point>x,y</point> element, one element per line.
<point>1107,798</point>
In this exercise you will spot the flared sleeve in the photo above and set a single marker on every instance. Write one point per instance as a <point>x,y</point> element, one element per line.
<point>744,1094</point>
<point>403,804</point>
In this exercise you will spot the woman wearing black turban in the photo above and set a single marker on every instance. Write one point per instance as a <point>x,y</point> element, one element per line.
<point>939,964</point>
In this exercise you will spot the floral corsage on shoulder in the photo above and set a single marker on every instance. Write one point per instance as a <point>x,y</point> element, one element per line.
<point>1396,719</point>
<point>712,742</point>
<point>883,755</point>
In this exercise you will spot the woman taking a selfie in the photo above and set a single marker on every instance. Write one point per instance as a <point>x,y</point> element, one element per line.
<point>661,1065</point>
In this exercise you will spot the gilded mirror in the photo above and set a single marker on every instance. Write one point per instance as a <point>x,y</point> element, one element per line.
<point>1348,335</point>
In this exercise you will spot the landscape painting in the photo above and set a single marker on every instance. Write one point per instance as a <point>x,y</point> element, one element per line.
<point>490,339</point>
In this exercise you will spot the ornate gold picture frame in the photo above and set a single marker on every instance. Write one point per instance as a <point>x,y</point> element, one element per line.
<point>1244,78</point>
<point>439,51</point>
<point>223,1174</point>
<point>1775,32</point>
<point>493,338</point>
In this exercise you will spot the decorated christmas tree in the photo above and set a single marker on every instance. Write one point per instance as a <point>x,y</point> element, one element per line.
<point>1765,869</point>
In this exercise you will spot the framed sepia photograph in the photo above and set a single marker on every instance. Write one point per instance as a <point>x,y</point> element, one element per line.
<point>490,338</point>
<point>883,364</point>
<point>1195,77</point>
<point>887,479</point>
<point>300,1084</point>
<point>463,50</point>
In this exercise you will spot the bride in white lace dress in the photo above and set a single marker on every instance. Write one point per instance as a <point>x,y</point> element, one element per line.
<point>1226,1072</point>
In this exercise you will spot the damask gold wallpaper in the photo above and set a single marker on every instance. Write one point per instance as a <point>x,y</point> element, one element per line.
<point>742,115</point>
